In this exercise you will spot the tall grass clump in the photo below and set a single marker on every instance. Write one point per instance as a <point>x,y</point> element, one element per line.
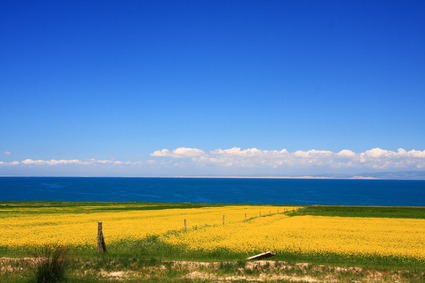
<point>51,264</point>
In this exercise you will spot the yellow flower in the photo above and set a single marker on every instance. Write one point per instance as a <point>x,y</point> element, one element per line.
<point>238,228</point>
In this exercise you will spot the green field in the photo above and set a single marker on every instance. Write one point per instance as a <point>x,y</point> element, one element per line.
<point>151,260</point>
<point>363,211</point>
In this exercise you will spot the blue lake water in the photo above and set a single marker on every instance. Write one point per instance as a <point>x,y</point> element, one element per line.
<point>215,190</point>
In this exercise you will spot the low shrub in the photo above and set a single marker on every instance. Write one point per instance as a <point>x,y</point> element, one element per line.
<point>51,264</point>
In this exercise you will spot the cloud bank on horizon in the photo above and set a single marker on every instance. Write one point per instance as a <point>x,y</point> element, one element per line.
<point>236,161</point>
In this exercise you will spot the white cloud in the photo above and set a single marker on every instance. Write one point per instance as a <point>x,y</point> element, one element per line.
<point>347,153</point>
<point>7,153</point>
<point>251,157</point>
<point>180,152</point>
<point>377,153</point>
<point>161,153</point>
<point>415,153</point>
<point>236,151</point>
<point>189,160</point>
<point>52,162</point>
<point>375,158</point>
<point>313,153</point>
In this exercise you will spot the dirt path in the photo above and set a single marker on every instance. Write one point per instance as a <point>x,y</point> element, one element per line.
<point>255,271</point>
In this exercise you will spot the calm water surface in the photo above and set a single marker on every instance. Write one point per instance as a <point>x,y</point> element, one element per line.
<point>215,190</point>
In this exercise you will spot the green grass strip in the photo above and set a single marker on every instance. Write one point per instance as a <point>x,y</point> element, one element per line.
<point>362,211</point>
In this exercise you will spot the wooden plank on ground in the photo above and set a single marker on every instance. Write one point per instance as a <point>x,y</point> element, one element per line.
<point>262,255</point>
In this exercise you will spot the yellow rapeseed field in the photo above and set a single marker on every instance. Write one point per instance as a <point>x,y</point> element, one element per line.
<point>30,226</point>
<point>245,229</point>
<point>346,235</point>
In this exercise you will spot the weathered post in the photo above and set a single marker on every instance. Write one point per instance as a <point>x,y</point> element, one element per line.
<point>245,216</point>
<point>101,246</point>
<point>185,225</point>
<point>223,219</point>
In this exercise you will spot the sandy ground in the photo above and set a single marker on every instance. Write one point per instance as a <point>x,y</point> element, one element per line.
<point>252,271</point>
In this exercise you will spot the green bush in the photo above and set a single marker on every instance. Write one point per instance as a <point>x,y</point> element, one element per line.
<point>51,264</point>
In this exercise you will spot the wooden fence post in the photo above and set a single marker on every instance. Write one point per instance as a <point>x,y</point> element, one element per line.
<point>185,225</point>
<point>223,219</point>
<point>101,246</point>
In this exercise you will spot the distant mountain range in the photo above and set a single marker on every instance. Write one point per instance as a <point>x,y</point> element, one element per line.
<point>401,175</point>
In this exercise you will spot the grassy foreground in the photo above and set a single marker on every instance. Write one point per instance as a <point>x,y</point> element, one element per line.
<point>147,242</point>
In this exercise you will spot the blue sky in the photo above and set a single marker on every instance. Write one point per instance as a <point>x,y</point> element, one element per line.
<point>157,88</point>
